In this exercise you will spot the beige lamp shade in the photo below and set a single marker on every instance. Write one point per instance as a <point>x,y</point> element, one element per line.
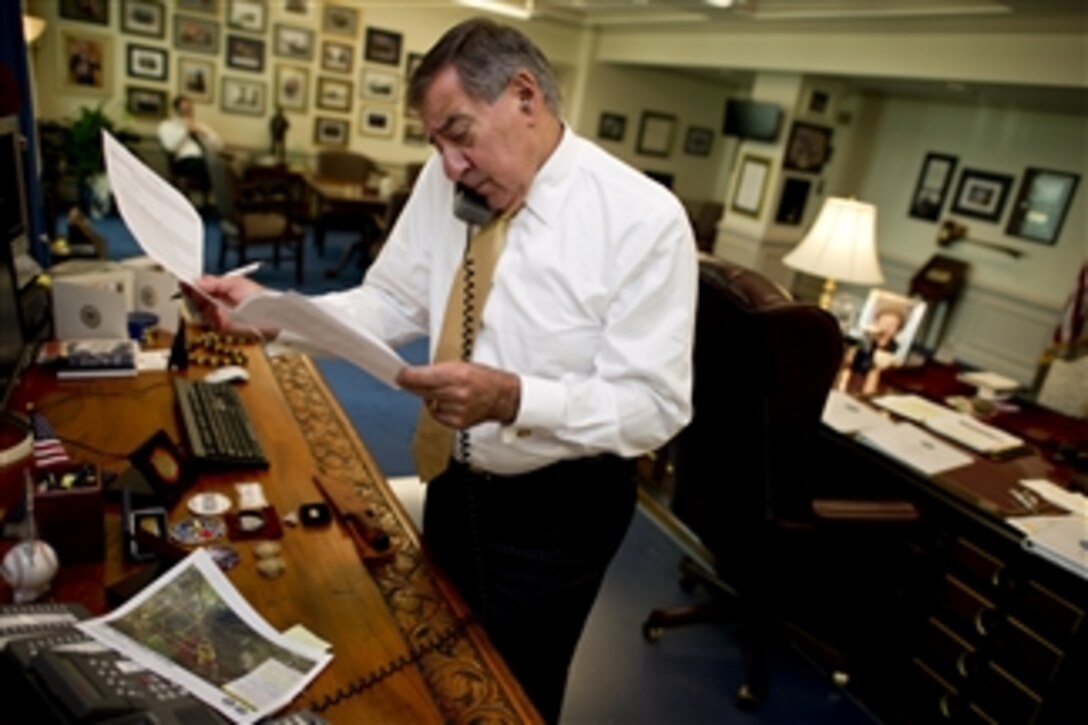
<point>841,245</point>
<point>33,27</point>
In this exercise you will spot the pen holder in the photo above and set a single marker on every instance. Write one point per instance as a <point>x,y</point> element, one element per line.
<point>71,518</point>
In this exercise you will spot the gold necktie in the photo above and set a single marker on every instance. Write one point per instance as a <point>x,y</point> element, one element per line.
<point>433,441</point>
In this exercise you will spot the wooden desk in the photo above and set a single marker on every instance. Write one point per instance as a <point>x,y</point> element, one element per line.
<point>339,202</point>
<point>370,617</point>
<point>991,630</point>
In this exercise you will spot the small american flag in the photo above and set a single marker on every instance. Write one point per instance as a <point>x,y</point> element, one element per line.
<point>48,450</point>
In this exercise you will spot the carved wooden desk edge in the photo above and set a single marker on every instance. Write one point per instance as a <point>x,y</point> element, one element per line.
<point>461,674</point>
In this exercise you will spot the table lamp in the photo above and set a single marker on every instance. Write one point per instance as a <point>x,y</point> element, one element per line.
<point>840,246</point>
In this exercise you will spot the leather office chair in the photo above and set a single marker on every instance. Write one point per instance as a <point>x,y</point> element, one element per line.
<point>763,366</point>
<point>355,168</point>
<point>253,215</point>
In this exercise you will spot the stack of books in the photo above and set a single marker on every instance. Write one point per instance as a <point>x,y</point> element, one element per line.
<point>75,359</point>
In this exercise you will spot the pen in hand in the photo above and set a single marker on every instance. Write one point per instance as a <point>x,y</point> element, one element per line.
<point>243,271</point>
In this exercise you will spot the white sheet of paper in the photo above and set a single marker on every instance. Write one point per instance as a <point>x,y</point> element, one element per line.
<point>298,314</point>
<point>916,448</point>
<point>848,415</point>
<point>972,433</point>
<point>164,222</point>
<point>1072,501</point>
<point>1061,539</point>
<point>909,406</point>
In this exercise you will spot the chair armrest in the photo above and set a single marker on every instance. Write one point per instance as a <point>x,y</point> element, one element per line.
<point>839,511</point>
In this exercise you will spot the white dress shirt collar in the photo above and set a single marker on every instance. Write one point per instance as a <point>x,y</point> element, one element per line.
<point>552,182</point>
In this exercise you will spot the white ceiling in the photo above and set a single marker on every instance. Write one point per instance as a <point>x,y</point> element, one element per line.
<point>814,16</point>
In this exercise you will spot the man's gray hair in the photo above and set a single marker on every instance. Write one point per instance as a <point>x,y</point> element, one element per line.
<point>486,56</point>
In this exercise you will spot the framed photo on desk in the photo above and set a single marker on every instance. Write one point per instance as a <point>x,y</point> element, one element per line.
<point>890,322</point>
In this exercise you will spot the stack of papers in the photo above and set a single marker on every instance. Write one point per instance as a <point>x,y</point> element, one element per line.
<point>1061,539</point>
<point>956,426</point>
<point>848,416</point>
<point>910,445</point>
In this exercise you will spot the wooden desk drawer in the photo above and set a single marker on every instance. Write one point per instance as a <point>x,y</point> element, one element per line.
<point>933,699</point>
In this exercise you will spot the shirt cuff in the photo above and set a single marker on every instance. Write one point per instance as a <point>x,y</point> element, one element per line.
<point>543,404</point>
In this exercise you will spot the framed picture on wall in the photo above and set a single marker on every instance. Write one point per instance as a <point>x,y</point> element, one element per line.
<point>981,194</point>
<point>808,148</point>
<point>333,94</point>
<point>247,15</point>
<point>655,133</point>
<point>611,126</point>
<point>751,185</point>
<point>376,120</point>
<point>201,6</point>
<point>792,202</point>
<point>145,102</point>
<point>292,87</point>
<point>245,53</point>
<point>698,141</point>
<point>382,46</point>
<point>196,35</point>
<point>378,85</point>
<point>1041,204</point>
<point>146,61</point>
<point>196,79</point>
<point>242,96</point>
<point>336,57</point>
<point>338,20</point>
<point>292,42</point>
<point>86,11</point>
<point>414,133</point>
<point>143,17</point>
<point>410,66</point>
<point>85,59</point>
<point>932,187</point>
<point>331,132</point>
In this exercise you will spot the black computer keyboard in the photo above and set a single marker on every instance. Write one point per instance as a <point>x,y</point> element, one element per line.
<point>216,425</point>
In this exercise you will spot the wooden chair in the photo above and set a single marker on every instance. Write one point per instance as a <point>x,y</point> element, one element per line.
<point>254,214</point>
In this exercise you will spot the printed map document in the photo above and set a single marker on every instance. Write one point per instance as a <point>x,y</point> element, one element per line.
<point>192,626</point>
<point>171,232</point>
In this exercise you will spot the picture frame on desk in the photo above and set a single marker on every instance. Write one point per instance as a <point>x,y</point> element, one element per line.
<point>881,308</point>
<point>164,467</point>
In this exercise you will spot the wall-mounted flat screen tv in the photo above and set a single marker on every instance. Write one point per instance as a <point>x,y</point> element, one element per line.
<point>755,120</point>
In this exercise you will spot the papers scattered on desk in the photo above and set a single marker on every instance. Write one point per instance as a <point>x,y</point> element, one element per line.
<point>911,407</point>
<point>909,444</point>
<point>194,628</point>
<point>989,381</point>
<point>1071,501</point>
<point>956,426</point>
<point>1061,539</point>
<point>848,415</point>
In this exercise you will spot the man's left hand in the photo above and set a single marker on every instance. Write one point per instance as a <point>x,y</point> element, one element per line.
<point>461,394</point>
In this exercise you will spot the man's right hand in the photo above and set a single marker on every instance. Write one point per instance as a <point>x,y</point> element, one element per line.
<point>231,291</point>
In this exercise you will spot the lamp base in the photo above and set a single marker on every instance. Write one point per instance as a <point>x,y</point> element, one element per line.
<point>827,293</point>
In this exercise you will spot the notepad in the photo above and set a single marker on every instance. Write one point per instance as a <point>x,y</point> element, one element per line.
<point>910,445</point>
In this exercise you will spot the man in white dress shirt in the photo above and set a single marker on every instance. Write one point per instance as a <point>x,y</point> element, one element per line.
<point>582,361</point>
<point>187,140</point>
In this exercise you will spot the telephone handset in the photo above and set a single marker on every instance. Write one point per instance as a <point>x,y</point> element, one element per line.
<point>471,207</point>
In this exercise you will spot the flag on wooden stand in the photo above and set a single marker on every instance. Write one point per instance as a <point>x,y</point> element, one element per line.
<point>48,450</point>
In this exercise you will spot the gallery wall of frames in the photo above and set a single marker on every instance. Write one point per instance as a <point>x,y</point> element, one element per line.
<point>339,81</point>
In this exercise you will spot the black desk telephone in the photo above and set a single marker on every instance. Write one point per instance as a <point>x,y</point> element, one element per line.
<point>59,675</point>
<point>471,207</point>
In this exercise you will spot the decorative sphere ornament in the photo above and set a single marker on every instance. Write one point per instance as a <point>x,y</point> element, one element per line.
<point>29,568</point>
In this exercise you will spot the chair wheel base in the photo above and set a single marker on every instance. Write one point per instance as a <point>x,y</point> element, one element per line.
<point>748,699</point>
<point>651,632</point>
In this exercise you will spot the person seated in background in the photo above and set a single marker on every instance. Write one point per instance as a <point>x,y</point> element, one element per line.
<point>186,140</point>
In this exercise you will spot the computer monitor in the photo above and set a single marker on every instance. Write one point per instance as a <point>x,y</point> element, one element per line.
<point>755,120</point>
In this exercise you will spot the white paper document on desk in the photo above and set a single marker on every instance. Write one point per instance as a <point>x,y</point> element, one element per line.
<point>848,415</point>
<point>300,315</point>
<point>909,444</point>
<point>974,434</point>
<point>246,669</point>
<point>1061,539</point>
<point>911,407</point>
